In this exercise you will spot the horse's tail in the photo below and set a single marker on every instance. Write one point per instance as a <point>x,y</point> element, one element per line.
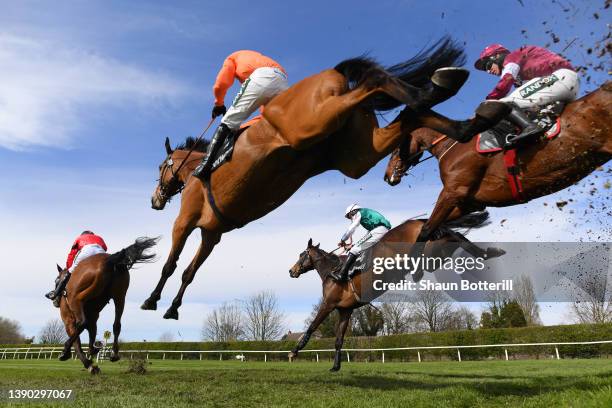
<point>133,254</point>
<point>415,72</point>
<point>477,219</point>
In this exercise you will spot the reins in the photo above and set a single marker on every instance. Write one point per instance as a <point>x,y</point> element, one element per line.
<point>420,152</point>
<point>176,172</point>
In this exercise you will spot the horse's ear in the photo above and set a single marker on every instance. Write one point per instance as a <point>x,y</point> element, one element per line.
<point>309,242</point>
<point>59,268</point>
<point>168,148</point>
<point>317,246</point>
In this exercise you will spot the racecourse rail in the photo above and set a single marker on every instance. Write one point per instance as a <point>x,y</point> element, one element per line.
<point>48,352</point>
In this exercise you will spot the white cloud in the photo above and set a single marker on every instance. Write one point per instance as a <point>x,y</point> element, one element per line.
<point>45,89</point>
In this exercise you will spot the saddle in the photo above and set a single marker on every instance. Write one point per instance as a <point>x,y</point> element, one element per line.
<point>494,139</point>
<point>224,153</point>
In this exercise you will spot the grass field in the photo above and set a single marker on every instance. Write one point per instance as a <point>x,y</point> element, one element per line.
<point>549,383</point>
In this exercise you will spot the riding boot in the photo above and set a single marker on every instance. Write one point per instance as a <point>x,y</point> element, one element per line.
<point>203,169</point>
<point>487,115</point>
<point>59,288</point>
<point>528,128</point>
<point>342,273</point>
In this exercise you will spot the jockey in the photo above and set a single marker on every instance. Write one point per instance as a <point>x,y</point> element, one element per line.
<point>541,77</point>
<point>373,221</point>
<point>262,79</point>
<point>84,246</point>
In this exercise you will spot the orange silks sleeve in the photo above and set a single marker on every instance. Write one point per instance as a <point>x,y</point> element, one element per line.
<point>225,79</point>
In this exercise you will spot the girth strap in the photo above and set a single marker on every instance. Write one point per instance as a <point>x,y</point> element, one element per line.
<point>512,173</point>
<point>224,220</point>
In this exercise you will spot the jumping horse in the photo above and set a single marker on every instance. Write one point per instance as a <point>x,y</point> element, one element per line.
<point>348,296</point>
<point>473,181</point>
<point>324,122</point>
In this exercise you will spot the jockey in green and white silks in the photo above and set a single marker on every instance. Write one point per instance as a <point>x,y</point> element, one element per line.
<point>376,225</point>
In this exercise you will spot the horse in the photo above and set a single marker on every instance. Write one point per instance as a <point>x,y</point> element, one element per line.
<point>344,296</point>
<point>93,283</point>
<point>473,181</point>
<point>324,122</point>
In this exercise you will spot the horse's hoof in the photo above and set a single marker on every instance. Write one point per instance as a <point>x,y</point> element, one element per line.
<point>114,357</point>
<point>334,369</point>
<point>171,314</point>
<point>94,369</point>
<point>64,356</point>
<point>494,252</point>
<point>450,78</point>
<point>149,304</point>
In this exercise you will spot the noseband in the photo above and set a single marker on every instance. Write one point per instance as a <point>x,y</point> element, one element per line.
<point>165,193</point>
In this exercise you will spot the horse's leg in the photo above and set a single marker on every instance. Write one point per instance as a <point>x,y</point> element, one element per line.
<point>92,329</point>
<point>345,316</point>
<point>181,230</point>
<point>446,204</point>
<point>119,305</point>
<point>324,311</point>
<point>487,115</point>
<point>209,240</point>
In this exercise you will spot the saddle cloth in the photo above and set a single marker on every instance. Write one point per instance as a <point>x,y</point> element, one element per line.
<point>224,154</point>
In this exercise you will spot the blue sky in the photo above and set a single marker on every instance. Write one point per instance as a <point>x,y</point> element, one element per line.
<point>89,90</point>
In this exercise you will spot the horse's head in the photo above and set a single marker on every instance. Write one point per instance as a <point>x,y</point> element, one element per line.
<point>304,262</point>
<point>169,183</point>
<point>402,159</point>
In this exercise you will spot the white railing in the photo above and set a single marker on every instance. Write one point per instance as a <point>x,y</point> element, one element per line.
<point>48,352</point>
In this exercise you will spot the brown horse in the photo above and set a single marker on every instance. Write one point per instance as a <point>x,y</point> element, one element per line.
<point>473,181</point>
<point>345,296</point>
<point>93,283</point>
<point>324,122</point>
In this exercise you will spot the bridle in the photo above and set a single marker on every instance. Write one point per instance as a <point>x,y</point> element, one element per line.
<point>397,168</point>
<point>164,188</point>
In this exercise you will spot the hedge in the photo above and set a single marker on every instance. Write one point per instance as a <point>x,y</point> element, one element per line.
<point>535,334</point>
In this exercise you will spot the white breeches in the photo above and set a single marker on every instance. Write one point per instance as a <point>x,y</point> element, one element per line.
<point>86,252</point>
<point>258,89</point>
<point>563,85</point>
<point>369,240</point>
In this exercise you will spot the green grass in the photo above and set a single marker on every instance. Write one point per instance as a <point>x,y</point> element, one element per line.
<point>535,383</point>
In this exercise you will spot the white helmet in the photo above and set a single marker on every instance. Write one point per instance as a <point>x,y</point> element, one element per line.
<point>351,208</point>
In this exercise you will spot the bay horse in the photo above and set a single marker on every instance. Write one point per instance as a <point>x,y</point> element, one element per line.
<point>324,122</point>
<point>343,296</point>
<point>473,181</point>
<point>93,283</point>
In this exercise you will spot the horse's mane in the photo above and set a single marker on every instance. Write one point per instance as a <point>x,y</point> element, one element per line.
<point>191,143</point>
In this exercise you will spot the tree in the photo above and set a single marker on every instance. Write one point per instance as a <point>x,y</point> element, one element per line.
<point>512,315</point>
<point>367,321</point>
<point>524,294</point>
<point>594,305</point>
<point>508,313</point>
<point>397,318</point>
<point>166,337</point>
<point>53,332</point>
<point>461,318</point>
<point>10,332</point>
<point>224,323</point>
<point>432,309</point>
<point>263,319</point>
